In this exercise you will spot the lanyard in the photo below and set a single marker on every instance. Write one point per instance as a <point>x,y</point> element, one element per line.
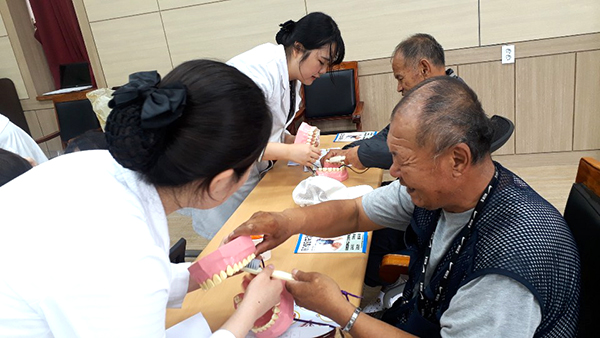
<point>292,111</point>
<point>464,233</point>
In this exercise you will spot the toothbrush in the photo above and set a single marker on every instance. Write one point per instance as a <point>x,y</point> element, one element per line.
<point>337,159</point>
<point>254,268</point>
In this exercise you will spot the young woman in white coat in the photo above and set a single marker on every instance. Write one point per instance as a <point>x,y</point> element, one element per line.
<point>87,253</point>
<point>304,50</point>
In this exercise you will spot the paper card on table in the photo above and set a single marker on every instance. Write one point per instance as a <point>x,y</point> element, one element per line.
<point>355,242</point>
<point>354,136</point>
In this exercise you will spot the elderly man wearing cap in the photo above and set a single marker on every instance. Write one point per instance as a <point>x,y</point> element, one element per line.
<point>489,256</point>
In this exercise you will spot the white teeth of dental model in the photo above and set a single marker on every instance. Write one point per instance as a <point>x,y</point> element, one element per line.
<point>216,279</point>
<point>311,136</point>
<point>274,318</point>
<point>229,271</point>
<point>329,169</point>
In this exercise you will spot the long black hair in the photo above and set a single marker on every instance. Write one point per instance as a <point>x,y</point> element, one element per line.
<point>313,31</point>
<point>11,166</point>
<point>225,124</point>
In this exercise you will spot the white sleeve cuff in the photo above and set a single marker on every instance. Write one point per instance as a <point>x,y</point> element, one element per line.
<point>179,284</point>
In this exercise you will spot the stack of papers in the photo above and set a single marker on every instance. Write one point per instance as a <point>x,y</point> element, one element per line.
<point>67,90</point>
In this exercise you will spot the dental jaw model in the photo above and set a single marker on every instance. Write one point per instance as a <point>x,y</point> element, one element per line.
<point>275,321</point>
<point>333,170</point>
<point>308,134</point>
<point>223,262</point>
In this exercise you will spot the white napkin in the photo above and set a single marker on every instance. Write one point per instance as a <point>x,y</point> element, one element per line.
<point>317,189</point>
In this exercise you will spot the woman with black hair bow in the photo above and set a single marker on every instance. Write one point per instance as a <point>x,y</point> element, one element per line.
<point>305,49</point>
<point>86,255</point>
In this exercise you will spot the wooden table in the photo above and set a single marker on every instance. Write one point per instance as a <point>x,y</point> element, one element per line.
<point>274,193</point>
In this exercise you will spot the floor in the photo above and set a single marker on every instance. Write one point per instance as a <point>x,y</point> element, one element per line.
<point>553,182</point>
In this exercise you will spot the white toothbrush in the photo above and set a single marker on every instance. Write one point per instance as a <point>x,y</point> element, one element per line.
<point>254,268</point>
<point>336,159</point>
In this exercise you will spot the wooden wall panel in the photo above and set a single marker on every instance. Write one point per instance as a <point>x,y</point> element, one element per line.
<point>518,20</point>
<point>224,29</point>
<point>380,96</point>
<point>9,67</point>
<point>524,49</point>
<point>371,29</point>
<point>35,128</point>
<point>587,102</point>
<point>47,120</point>
<point>129,45</point>
<point>494,83</point>
<point>98,10</point>
<point>544,103</point>
<point>170,4</point>
<point>34,124</point>
<point>90,44</point>
<point>41,123</point>
<point>28,51</point>
<point>2,28</point>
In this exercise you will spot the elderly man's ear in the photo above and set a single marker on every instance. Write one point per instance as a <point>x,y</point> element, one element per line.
<point>425,68</point>
<point>460,158</point>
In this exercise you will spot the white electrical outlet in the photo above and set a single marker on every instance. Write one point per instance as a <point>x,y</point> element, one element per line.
<point>508,54</point>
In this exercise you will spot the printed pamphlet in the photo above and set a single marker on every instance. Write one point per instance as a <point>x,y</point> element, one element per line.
<point>355,242</point>
<point>354,136</point>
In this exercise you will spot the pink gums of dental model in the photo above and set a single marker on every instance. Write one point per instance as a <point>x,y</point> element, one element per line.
<point>308,134</point>
<point>333,170</point>
<point>275,321</point>
<point>223,262</point>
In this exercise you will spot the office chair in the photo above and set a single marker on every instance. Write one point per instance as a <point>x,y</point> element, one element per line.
<point>333,96</point>
<point>10,106</point>
<point>503,129</point>
<point>582,214</point>
<point>75,118</point>
<point>177,251</point>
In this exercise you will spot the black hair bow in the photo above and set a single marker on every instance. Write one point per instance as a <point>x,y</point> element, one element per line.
<point>161,106</point>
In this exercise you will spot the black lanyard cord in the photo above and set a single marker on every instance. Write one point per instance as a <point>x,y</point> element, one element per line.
<point>463,235</point>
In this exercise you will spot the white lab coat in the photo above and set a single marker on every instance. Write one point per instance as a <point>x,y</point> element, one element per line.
<point>267,66</point>
<point>16,140</point>
<point>84,252</point>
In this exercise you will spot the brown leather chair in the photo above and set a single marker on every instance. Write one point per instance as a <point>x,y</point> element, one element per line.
<point>333,96</point>
<point>10,106</point>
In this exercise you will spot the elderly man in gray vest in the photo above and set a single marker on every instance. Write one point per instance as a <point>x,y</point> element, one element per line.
<point>489,256</point>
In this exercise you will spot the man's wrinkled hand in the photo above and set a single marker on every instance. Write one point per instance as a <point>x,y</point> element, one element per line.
<point>272,225</point>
